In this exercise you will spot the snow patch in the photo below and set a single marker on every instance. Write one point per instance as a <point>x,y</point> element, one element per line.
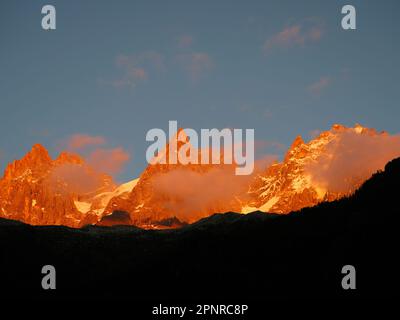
<point>269,204</point>
<point>248,209</point>
<point>105,197</point>
<point>126,187</point>
<point>265,207</point>
<point>83,207</point>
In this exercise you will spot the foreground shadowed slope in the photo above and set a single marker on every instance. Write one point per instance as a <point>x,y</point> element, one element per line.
<point>240,256</point>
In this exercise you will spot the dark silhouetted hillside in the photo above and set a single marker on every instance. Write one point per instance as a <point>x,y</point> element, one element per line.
<point>257,255</point>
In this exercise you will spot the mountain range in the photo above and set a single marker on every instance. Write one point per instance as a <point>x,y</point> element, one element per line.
<point>39,190</point>
<point>224,257</point>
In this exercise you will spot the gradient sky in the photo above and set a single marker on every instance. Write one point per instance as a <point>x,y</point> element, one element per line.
<point>115,69</point>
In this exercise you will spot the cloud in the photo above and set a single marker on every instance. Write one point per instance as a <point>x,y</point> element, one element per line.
<point>318,87</point>
<point>185,41</point>
<point>353,158</point>
<point>79,179</point>
<point>95,152</point>
<point>197,194</point>
<point>136,68</point>
<point>295,35</point>
<point>82,141</point>
<point>192,194</point>
<point>110,161</point>
<point>151,59</point>
<point>138,73</point>
<point>196,64</point>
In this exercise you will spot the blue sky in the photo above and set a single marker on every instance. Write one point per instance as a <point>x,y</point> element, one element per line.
<point>116,69</point>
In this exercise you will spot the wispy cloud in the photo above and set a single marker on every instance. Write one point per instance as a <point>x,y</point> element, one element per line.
<point>81,141</point>
<point>196,64</point>
<point>96,153</point>
<point>136,68</point>
<point>151,59</point>
<point>352,154</point>
<point>111,161</point>
<point>318,87</point>
<point>294,35</point>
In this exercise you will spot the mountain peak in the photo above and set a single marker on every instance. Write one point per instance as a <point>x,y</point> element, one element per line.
<point>38,149</point>
<point>298,141</point>
<point>36,159</point>
<point>359,128</point>
<point>66,157</point>
<point>338,127</point>
<point>37,155</point>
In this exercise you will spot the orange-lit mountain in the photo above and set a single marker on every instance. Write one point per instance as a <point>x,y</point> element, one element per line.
<point>294,183</point>
<point>151,205</point>
<point>41,191</point>
<point>281,187</point>
<point>67,191</point>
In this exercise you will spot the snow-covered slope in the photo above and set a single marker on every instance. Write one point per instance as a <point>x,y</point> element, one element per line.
<point>289,186</point>
<point>101,200</point>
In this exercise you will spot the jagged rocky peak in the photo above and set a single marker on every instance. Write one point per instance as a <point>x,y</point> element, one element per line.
<point>37,155</point>
<point>42,191</point>
<point>67,157</point>
<point>358,128</point>
<point>282,187</point>
<point>370,131</point>
<point>290,187</point>
<point>298,141</point>
<point>37,159</point>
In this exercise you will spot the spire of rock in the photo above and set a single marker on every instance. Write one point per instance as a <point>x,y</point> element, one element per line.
<point>36,159</point>
<point>38,153</point>
<point>298,141</point>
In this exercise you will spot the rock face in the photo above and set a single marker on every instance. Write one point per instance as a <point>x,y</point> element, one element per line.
<point>152,207</point>
<point>41,191</point>
<point>115,218</point>
<point>289,186</point>
<point>280,188</point>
